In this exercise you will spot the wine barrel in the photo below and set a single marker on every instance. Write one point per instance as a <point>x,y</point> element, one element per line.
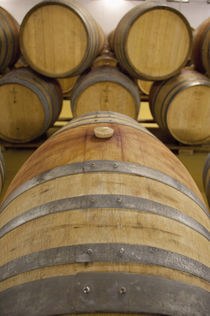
<point>67,84</point>
<point>65,38</point>
<point>94,223</point>
<point>206,177</point>
<point>106,59</point>
<point>29,105</point>
<point>9,39</point>
<point>152,42</point>
<point>201,48</point>
<point>181,106</point>
<point>2,171</point>
<point>104,89</point>
<point>144,86</point>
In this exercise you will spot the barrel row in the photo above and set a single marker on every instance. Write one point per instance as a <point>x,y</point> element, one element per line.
<point>82,233</point>
<point>77,39</point>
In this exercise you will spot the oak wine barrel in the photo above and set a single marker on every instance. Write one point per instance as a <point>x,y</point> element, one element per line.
<point>152,42</point>
<point>181,107</point>
<point>29,105</point>
<point>98,225</point>
<point>105,89</point>
<point>201,48</point>
<point>105,59</point>
<point>2,170</point>
<point>65,40</point>
<point>9,39</point>
<point>206,177</point>
<point>67,84</point>
<point>144,86</point>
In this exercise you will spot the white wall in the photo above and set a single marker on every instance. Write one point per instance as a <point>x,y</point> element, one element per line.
<point>109,12</point>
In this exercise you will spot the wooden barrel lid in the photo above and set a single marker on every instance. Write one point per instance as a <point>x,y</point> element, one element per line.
<point>155,40</point>
<point>105,89</point>
<point>59,38</point>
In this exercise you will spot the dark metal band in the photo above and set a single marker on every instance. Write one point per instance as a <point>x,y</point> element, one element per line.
<point>113,253</point>
<point>2,167</point>
<point>105,166</point>
<point>105,293</point>
<point>100,201</point>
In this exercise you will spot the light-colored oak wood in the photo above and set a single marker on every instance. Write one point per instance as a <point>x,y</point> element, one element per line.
<point>152,42</point>
<point>201,47</point>
<point>181,106</point>
<point>105,89</point>
<point>144,86</point>
<point>46,158</point>
<point>105,60</point>
<point>103,225</point>
<point>9,38</point>
<point>29,105</point>
<point>2,171</point>
<point>47,192</point>
<point>60,39</point>
<point>67,84</point>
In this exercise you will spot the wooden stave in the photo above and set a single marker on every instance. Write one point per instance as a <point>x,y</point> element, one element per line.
<point>199,55</point>
<point>101,74</point>
<point>118,41</point>
<point>87,245</point>
<point>94,32</point>
<point>67,84</point>
<point>162,91</point>
<point>2,171</point>
<point>11,34</point>
<point>144,86</point>
<point>47,88</point>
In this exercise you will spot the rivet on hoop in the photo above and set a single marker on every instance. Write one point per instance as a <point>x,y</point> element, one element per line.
<point>86,290</point>
<point>90,251</point>
<point>122,251</point>
<point>122,290</point>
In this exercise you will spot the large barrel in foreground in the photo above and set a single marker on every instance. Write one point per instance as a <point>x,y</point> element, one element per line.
<point>29,105</point>
<point>105,89</point>
<point>152,42</point>
<point>206,178</point>
<point>100,225</point>
<point>2,171</point>
<point>201,48</point>
<point>181,107</point>
<point>60,38</point>
<point>9,39</point>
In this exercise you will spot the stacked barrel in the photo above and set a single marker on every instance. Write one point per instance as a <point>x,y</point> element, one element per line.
<point>103,219</point>
<point>153,43</point>
<point>58,40</point>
